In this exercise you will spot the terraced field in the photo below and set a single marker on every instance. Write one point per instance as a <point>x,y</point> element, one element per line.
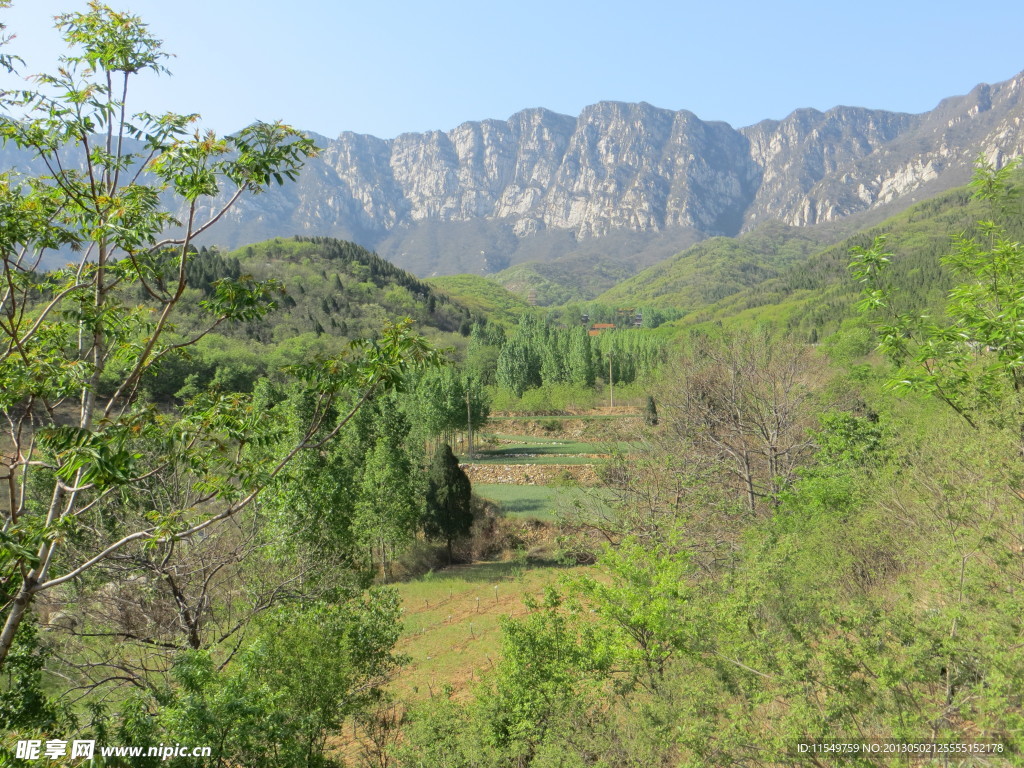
<point>528,501</point>
<point>452,617</point>
<point>529,475</point>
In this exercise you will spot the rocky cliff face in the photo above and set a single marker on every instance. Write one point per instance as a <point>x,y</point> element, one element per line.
<point>794,156</point>
<point>539,185</point>
<point>632,167</point>
<point>616,167</point>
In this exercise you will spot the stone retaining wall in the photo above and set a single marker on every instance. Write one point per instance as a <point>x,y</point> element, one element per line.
<point>530,474</point>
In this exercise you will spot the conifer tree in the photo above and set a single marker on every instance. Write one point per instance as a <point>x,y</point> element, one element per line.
<point>651,412</point>
<point>449,512</point>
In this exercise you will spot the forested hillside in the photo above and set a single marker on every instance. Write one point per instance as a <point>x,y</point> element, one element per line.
<point>812,296</point>
<point>323,293</point>
<point>482,296</point>
<point>713,269</point>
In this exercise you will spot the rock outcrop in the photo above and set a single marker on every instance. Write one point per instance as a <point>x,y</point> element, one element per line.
<point>487,194</point>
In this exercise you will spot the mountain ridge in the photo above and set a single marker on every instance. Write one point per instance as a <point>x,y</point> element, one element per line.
<point>541,186</point>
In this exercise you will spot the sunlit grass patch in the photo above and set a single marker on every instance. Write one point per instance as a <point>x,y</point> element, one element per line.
<point>451,621</point>
<point>537,501</point>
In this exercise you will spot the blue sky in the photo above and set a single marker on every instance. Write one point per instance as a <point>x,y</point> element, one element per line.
<point>387,68</point>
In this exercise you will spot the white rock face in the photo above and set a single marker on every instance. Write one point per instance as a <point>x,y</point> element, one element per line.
<point>636,168</point>
<point>915,155</point>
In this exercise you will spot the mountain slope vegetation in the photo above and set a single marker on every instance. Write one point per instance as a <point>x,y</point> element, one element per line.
<point>482,296</point>
<point>713,269</point>
<point>328,293</point>
<point>788,277</point>
<point>817,293</point>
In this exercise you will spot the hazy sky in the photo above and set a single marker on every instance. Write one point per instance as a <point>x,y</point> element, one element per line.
<point>386,68</point>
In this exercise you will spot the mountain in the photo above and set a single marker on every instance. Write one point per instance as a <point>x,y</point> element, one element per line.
<point>481,296</point>
<point>628,183</point>
<point>331,292</point>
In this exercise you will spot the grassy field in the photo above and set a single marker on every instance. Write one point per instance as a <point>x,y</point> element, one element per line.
<point>451,633</point>
<point>528,449</point>
<point>526,439</point>
<point>452,621</point>
<point>536,501</point>
<point>452,617</point>
<point>532,459</point>
<point>578,417</point>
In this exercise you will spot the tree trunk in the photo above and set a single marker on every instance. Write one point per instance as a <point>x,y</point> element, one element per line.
<point>748,480</point>
<point>18,609</point>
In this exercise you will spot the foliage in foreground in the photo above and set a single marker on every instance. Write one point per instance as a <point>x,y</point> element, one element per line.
<point>137,535</point>
<point>874,594</point>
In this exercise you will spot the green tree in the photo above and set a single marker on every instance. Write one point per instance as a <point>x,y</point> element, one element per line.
<point>443,403</point>
<point>552,666</point>
<point>643,605</point>
<point>24,706</point>
<point>390,503</point>
<point>439,403</point>
<point>449,512</point>
<point>518,367</point>
<point>580,362</point>
<point>485,342</point>
<point>311,508</point>
<point>651,412</point>
<point>106,177</point>
<point>553,361</point>
<point>973,356</point>
<point>307,670</point>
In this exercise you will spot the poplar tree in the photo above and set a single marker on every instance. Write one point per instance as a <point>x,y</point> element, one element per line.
<point>580,360</point>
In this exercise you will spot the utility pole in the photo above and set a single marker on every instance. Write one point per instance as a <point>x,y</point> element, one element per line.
<point>611,381</point>
<point>469,424</point>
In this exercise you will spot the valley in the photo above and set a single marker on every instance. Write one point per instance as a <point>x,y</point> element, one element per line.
<point>622,440</point>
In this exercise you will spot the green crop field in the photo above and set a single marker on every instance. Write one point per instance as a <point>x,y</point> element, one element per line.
<point>575,417</point>
<point>535,441</point>
<point>539,502</point>
<point>536,447</point>
<point>549,447</point>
